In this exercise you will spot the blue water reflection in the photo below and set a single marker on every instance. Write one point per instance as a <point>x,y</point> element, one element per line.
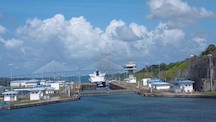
<point>116,108</point>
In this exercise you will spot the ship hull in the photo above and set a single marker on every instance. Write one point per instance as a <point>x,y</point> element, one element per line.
<point>101,84</point>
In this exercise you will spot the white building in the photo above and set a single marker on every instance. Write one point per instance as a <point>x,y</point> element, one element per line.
<point>49,90</point>
<point>150,81</point>
<point>37,93</point>
<point>182,85</point>
<point>32,83</point>
<point>130,80</point>
<point>160,86</point>
<point>41,93</point>
<point>144,80</point>
<point>56,86</point>
<point>24,83</point>
<point>61,83</point>
<point>10,96</point>
<point>46,83</point>
<point>17,83</point>
<point>43,82</point>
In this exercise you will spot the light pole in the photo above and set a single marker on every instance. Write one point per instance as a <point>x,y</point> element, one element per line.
<point>149,71</point>
<point>54,70</point>
<point>16,74</point>
<point>42,73</point>
<point>159,71</point>
<point>11,68</point>
<point>64,73</point>
<point>78,73</point>
<point>210,70</point>
<point>79,78</point>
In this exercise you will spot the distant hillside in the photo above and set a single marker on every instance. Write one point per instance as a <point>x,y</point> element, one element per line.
<point>172,70</point>
<point>167,71</point>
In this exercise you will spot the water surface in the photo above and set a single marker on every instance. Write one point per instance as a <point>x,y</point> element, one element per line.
<point>118,108</point>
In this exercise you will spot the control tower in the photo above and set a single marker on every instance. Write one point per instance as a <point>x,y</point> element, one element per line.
<point>130,67</point>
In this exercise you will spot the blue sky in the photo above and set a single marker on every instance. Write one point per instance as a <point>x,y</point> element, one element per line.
<point>81,32</point>
<point>99,13</point>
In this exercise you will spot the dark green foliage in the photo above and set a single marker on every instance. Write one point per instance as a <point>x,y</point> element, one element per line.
<point>210,49</point>
<point>4,81</point>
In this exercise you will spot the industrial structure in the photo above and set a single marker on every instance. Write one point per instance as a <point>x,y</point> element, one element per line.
<point>130,67</point>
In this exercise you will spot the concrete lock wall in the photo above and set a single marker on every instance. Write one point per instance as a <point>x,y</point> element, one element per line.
<point>89,86</point>
<point>199,71</point>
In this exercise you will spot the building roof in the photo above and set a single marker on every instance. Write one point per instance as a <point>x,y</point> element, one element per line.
<point>10,92</point>
<point>38,89</point>
<point>161,84</point>
<point>49,88</point>
<point>60,81</point>
<point>18,81</point>
<point>154,80</point>
<point>183,81</point>
<point>32,81</point>
<point>69,83</point>
<point>49,81</point>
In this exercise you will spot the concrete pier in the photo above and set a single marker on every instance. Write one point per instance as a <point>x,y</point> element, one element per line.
<point>105,92</point>
<point>124,85</point>
<point>177,95</point>
<point>116,85</point>
<point>42,102</point>
<point>88,86</point>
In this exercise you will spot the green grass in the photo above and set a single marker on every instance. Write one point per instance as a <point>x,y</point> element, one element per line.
<point>170,73</point>
<point>139,76</point>
<point>22,101</point>
<point>210,93</point>
<point>167,72</point>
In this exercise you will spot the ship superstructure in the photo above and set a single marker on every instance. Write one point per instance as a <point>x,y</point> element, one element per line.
<point>98,78</point>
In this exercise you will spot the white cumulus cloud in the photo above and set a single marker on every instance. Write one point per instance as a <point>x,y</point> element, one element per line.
<point>200,43</point>
<point>176,12</point>
<point>57,38</point>
<point>13,43</point>
<point>74,38</point>
<point>2,29</point>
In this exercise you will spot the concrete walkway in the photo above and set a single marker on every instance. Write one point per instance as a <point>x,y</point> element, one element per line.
<point>43,102</point>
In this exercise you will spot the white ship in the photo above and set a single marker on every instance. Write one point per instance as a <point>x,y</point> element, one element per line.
<point>98,78</point>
